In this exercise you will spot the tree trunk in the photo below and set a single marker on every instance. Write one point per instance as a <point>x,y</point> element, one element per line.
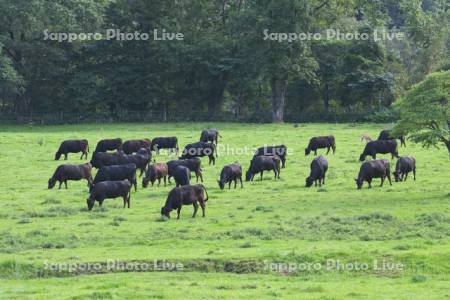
<point>279,86</point>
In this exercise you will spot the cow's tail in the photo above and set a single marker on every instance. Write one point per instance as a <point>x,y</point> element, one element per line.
<point>206,192</point>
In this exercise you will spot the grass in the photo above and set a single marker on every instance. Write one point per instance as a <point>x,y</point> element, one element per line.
<point>226,254</point>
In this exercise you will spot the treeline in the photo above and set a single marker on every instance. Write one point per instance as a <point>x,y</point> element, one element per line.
<point>225,66</point>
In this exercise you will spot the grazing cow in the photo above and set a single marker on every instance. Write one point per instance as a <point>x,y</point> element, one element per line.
<point>115,173</point>
<point>230,173</point>
<point>259,164</point>
<point>280,151</point>
<point>72,146</point>
<point>185,195</point>
<point>200,149</point>
<point>132,146</point>
<point>378,168</point>
<point>319,167</point>
<point>155,172</point>
<point>170,143</point>
<point>319,142</point>
<point>194,164</point>
<point>365,137</point>
<point>405,164</point>
<point>71,172</point>
<point>209,135</point>
<point>110,189</point>
<point>372,148</point>
<point>141,159</point>
<point>108,145</point>
<point>182,175</point>
<point>386,134</point>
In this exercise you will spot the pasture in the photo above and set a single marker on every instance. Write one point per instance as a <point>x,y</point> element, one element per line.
<point>227,253</point>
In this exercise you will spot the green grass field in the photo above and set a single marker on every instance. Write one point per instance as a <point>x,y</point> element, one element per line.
<point>231,252</point>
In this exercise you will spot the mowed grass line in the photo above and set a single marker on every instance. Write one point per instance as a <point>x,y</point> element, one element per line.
<point>279,221</point>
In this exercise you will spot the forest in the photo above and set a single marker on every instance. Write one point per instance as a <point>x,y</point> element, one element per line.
<point>218,60</point>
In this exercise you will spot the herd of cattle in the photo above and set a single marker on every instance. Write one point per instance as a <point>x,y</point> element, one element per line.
<point>117,171</point>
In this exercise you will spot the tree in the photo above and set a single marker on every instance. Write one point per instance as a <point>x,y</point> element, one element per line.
<point>425,111</point>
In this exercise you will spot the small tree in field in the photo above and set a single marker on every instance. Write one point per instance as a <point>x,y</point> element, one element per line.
<point>425,111</point>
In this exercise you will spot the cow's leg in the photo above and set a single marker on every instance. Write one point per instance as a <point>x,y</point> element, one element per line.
<point>414,173</point>
<point>202,205</point>
<point>320,182</point>
<point>382,179</point>
<point>65,183</point>
<point>315,182</point>
<point>142,172</point>
<point>389,178</point>
<point>60,183</point>
<point>124,201</point>
<point>262,175</point>
<point>65,156</point>
<point>201,176</point>
<point>406,175</point>
<point>135,184</point>
<point>323,178</point>
<point>168,179</point>
<point>82,154</point>
<point>370,182</point>
<point>178,212</point>
<point>100,202</point>
<point>229,184</point>
<point>315,152</point>
<point>328,150</point>
<point>165,181</point>
<point>374,156</point>
<point>195,208</point>
<point>235,182</point>
<point>240,179</point>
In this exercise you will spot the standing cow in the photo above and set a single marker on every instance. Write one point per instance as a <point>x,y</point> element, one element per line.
<point>259,164</point>
<point>386,134</point>
<point>185,195</point>
<point>182,176</point>
<point>194,164</point>
<point>210,135</point>
<point>200,149</point>
<point>372,148</point>
<point>72,146</point>
<point>230,173</point>
<point>170,143</point>
<point>378,168</point>
<point>71,172</point>
<point>280,151</point>
<point>320,142</point>
<point>132,146</point>
<point>110,189</point>
<point>405,164</point>
<point>115,173</point>
<point>155,172</point>
<point>319,167</point>
<point>108,145</point>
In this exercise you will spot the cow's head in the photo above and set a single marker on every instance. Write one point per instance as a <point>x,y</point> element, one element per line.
<point>397,176</point>
<point>221,184</point>
<point>165,212</point>
<point>248,175</point>
<point>51,182</point>
<point>57,155</point>
<point>307,151</point>
<point>359,183</point>
<point>309,181</point>
<point>90,203</point>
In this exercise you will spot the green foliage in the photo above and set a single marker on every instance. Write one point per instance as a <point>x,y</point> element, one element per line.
<point>425,111</point>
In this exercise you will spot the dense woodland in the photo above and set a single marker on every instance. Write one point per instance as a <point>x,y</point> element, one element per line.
<point>223,69</point>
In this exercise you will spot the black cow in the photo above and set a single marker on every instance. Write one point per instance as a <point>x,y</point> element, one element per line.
<point>209,135</point>
<point>155,172</point>
<point>170,143</point>
<point>194,164</point>
<point>115,173</point>
<point>386,134</point>
<point>230,173</point>
<point>108,145</point>
<point>378,168</point>
<point>259,164</point>
<point>320,142</point>
<point>199,149</point>
<point>110,189</point>
<point>405,164</point>
<point>280,151</point>
<point>185,195</point>
<point>372,148</point>
<point>72,146</point>
<point>141,159</point>
<point>71,172</point>
<point>319,167</point>
<point>182,175</point>
<point>132,146</point>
